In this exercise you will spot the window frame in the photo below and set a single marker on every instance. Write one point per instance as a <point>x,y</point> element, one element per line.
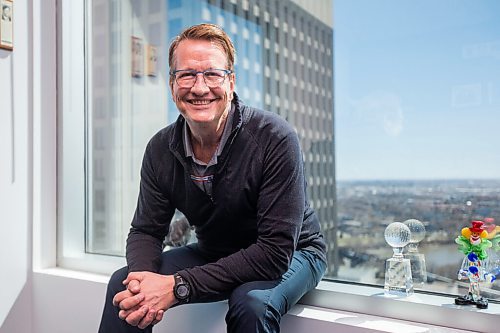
<point>72,85</point>
<point>73,80</point>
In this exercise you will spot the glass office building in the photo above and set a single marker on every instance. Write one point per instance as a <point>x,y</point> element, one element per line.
<point>284,64</point>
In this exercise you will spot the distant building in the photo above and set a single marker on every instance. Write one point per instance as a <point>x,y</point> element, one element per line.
<point>284,64</point>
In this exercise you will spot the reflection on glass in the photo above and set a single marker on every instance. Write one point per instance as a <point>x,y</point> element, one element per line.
<point>130,98</point>
<point>416,106</point>
<point>415,115</point>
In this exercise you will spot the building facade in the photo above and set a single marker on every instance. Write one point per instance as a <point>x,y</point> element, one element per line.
<point>284,64</point>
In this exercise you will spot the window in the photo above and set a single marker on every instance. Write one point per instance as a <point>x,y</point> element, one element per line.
<point>415,112</point>
<point>415,105</point>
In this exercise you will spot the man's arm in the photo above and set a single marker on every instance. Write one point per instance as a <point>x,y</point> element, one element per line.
<point>151,219</point>
<point>140,303</point>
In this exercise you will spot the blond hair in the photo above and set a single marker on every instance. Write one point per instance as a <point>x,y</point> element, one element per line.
<point>205,31</point>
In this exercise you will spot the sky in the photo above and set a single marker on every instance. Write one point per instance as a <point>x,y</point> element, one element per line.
<point>417,89</point>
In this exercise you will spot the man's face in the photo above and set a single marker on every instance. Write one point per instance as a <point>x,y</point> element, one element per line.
<point>6,11</point>
<point>201,104</point>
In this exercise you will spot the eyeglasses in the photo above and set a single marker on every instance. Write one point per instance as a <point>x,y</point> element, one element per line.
<point>186,78</point>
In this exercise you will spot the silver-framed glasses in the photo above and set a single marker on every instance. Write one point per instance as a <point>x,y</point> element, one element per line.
<point>213,77</point>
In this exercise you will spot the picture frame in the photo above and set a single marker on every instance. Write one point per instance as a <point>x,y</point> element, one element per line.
<point>137,51</point>
<point>152,60</point>
<point>6,24</point>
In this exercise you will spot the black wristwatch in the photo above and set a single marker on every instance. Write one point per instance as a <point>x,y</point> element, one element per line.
<point>182,290</point>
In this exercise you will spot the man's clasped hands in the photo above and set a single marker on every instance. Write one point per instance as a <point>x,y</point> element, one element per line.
<point>146,298</point>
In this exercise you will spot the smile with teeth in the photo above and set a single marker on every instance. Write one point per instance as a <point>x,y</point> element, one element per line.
<point>200,101</point>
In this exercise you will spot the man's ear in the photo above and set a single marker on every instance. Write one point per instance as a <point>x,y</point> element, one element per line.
<point>233,77</point>
<point>232,83</point>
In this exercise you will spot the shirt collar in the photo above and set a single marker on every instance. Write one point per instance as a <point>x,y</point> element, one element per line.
<point>188,148</point>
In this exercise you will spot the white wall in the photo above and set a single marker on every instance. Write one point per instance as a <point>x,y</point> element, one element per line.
<point>15,142</point>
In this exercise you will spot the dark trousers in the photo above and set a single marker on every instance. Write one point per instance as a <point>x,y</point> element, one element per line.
<point>255,306</point>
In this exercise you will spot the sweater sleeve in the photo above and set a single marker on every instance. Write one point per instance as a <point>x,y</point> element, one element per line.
<point>280,212</point>
<point>150,222</point>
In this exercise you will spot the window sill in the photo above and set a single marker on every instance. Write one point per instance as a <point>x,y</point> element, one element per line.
<point>73,274</point>
<point>364,308</point>
<point>419,308</point>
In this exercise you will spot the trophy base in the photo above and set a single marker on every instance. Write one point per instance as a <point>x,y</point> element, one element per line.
<point>418,269</point>
<point>398,280</point>
<point>398,291</point>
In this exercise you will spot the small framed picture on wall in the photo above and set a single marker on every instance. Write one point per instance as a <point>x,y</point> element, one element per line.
<point>152,60</point>
<point>137,57</point>
<point>6,24</point>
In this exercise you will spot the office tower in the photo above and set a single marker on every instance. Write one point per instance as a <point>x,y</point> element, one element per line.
<point>284,64</point>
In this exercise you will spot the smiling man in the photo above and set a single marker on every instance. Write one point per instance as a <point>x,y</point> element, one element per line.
<point>236,173</point>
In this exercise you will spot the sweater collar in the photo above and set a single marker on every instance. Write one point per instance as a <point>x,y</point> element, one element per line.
<point>177,143</point>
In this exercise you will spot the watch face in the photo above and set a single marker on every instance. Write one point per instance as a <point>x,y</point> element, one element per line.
<point>182,291</point>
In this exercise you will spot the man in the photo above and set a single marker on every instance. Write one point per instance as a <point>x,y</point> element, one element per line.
<point>237,175</point>
<point>6,16</point>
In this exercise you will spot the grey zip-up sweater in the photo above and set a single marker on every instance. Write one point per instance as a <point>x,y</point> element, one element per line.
<point>258,213</point>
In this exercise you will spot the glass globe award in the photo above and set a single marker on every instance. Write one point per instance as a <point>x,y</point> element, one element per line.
<point>398,281</point>
<point>417,260</point>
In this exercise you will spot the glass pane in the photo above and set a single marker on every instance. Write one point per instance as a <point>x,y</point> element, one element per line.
<point>417,99</point>
<point>416,93</point>
<point>129,102</point>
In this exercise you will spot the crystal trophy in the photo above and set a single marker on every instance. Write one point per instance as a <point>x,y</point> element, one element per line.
<point>417,260</point>
<point>398,281</point>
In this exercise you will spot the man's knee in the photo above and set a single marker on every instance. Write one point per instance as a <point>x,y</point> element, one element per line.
<point>252,305</point>
<point>248,301</point>
<point>115,283</point>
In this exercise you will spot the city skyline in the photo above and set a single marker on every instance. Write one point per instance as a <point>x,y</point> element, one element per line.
<point>417,91</point>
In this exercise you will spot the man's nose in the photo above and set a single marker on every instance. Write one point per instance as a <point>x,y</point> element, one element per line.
<point>200,86</point>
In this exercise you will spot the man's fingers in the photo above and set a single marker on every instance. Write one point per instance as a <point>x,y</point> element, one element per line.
<point>124,313</point>
<point>133,276</point>
<point>130,302</point>
<point>159,317</point>
<point>121,296</point>
<point>134,286</point>
<point>135,317</point>
<point>147,319</point>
